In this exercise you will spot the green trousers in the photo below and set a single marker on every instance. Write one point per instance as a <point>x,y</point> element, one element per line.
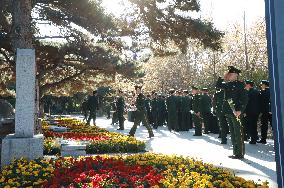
<point>197,124</point>
<point>172,119</point>
<point>237,137</point>
<point>138,118</point>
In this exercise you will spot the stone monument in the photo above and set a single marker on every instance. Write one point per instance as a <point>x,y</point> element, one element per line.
<point>23,143</point>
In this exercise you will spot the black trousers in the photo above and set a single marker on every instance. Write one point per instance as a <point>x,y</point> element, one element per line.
<point>265,118</point>
<point>251,126</point>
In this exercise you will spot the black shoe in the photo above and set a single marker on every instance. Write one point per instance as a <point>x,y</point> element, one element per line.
<point>150,136</point>
<point>224,142</point>
<point>130,135</point>
<point>197,135</point>
<point>252,142</point>
<point>236,156</point>
<point>239,157</point>
<point>262,141</point>
<point>120,129</point>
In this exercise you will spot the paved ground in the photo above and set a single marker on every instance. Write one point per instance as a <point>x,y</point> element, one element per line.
<point>259,163</point>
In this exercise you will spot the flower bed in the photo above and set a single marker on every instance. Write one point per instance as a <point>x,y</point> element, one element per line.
<point>140,170</point>
<point>100,140</point>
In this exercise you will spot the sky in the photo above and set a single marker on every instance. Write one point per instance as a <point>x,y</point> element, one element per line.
<point>223,12</point>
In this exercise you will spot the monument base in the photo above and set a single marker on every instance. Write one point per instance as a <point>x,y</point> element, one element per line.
<point>16,148</point>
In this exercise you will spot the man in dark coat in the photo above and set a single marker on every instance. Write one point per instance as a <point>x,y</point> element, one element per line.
<point>120,109</point>
<point>85,109</point>
<point>93,104</point>
<point>265,110</point>
<point>252,110</point>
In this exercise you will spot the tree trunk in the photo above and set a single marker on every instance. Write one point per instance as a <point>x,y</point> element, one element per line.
<point>21,28</point>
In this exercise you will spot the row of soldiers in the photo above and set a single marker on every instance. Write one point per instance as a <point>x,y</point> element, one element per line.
<point>236,104</point>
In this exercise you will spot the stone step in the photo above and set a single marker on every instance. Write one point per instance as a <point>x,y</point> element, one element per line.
<point>73,153</point>
<point>70,147</point>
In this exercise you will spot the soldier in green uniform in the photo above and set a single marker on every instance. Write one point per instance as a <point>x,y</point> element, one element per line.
<point>160,110</point>
<point>235,102</point>
<point>140,113</point>
<point>205,109</point>
<point>172,110</point>
<point>196,116</point>
<point>179,112</point>
<point>148,108</point>
<point>120,110</point>
<point>154,109</point>
<point>185,110</point>
<point>218,101</point>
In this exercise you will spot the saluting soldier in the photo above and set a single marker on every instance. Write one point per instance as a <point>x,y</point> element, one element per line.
<point>196,115</point>
<point>205,109</point>
<point>120,104</point>
<point>265,110</point>
<point>140,113</point>
<point>234,105</point>
<point>172,110</point>
<point>252,110</point>
<point>218,101</point>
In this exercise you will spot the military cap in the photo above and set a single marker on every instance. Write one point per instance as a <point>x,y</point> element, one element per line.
<point>137,87</point>
<point>205,89</point>
<point>249,82</point>
<point>171,91</point>
<point>233,69</point>
<point>193,87</point>
<point>264,82</point>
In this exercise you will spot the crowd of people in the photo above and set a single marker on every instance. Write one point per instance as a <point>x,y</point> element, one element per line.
<point>234,108</point>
